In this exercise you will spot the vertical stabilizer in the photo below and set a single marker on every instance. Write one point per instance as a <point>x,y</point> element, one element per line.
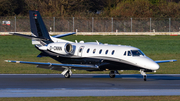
<point>38,27</point>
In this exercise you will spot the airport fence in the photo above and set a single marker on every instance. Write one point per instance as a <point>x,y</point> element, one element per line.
<point>93,24</point>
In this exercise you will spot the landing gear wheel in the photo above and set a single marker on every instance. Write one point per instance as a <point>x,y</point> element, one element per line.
<point>145,77</point>
<point>67,75</point>
<point>144,74</point>
<point>112,74</point>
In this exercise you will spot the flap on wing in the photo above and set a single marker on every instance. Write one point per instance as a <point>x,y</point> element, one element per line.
<point>74,66</point>
<point>63,35</point>
<point>164,61</point>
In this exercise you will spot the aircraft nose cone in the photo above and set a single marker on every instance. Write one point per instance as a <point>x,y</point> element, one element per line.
<point>152,65</point>
<point>148,63</point>
<point>155,66</point>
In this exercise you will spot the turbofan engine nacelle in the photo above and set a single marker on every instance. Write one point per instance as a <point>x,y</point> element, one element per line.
<point>62,48</point>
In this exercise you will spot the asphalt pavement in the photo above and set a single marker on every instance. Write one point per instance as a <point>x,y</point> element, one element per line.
<point>55,85</point>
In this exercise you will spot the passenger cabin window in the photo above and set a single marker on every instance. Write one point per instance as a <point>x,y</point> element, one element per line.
<point>106,52</point>
<point>100,51</point>
<point>94,51</point>
<point>88,50</point>
<point>129,53</point>
<point>113,52</point>
<point>80,49</point>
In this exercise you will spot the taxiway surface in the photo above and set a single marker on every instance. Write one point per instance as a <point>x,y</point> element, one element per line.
<point>53,85</point>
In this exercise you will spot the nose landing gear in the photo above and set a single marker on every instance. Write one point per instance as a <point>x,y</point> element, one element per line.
<point>144,75</point>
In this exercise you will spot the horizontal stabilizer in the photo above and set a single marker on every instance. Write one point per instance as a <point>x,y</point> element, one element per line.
<point>164,61</point>
<point>73,66</point>
<point>22,35</point>
<point>29,36</point>
<point>63,35</point>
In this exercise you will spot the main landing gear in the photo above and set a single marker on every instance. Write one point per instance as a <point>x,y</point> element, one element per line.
<point>112,74</point>
<point>143,74</point>
<point>67,73</point>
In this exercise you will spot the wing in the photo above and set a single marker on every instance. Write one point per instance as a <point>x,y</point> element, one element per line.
<point>164,61</point>
<point>56,66</point>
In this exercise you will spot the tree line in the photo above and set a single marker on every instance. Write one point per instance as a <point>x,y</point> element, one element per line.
<point>92,8</point>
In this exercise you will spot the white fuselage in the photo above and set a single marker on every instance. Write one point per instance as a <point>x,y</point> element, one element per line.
<point>118,53</point>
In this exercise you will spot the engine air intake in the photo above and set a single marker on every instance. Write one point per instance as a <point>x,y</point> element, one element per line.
<point>68,48</point>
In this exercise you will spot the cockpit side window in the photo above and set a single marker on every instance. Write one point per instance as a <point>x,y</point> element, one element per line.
<point>137,53</point>
<point>129,53</point>
<point>125,53</point>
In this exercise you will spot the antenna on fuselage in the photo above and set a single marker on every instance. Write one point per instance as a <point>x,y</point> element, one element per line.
<point>76,41</point>
<point>97,42</point>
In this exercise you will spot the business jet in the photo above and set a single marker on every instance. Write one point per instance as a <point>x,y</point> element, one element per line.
<point>90,56</point>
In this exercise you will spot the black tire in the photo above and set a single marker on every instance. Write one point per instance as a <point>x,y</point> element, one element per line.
<point>145,78</point>
<point>112,74</point>
<point>67,75</point>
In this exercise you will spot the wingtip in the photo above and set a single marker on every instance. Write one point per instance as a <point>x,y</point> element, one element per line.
<point>174,60</point>
<point>7,60</point>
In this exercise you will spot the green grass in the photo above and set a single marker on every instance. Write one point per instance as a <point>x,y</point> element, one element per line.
<point>155,47</point>
<point>115,98</point>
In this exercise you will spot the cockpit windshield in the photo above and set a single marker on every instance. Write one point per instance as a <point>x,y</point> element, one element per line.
<point>137,53</point>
